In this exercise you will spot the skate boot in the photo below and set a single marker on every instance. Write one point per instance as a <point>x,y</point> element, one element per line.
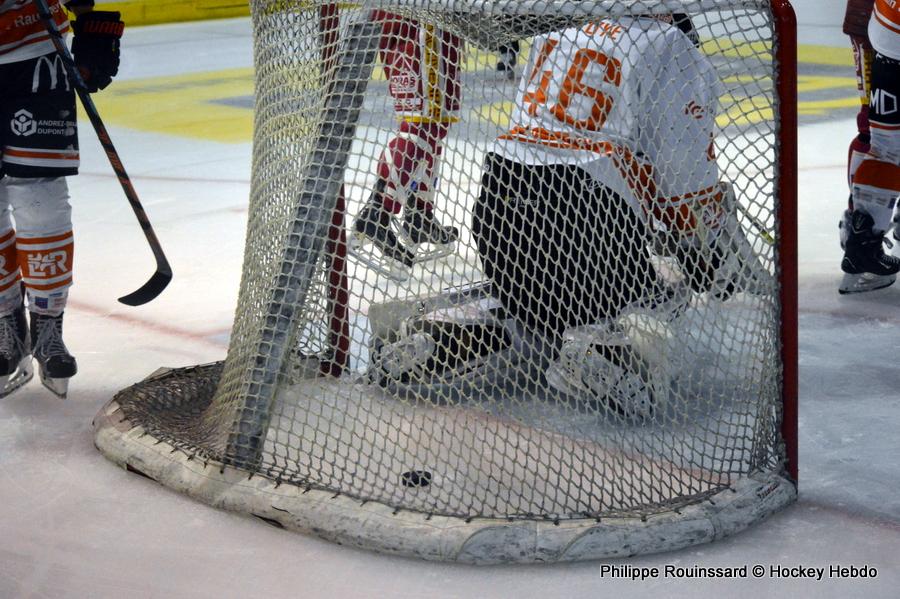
<point>56,364</point>
<point>866,267</point>
<point>15,354</point>
<point>374,228</point>
<point>843,228</point>
<point>895,236</point>
<point>421,226</point>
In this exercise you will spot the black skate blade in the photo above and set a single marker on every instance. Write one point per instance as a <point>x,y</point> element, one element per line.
<point>11,383</point>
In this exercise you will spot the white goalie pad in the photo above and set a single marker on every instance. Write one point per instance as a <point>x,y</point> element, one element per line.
<point>621,364</point>
<point>449,345</point>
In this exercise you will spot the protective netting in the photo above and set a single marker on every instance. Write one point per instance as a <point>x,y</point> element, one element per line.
<point>581,316</point>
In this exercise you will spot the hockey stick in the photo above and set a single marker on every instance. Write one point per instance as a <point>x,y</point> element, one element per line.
<point>757,224</point>
<point>163,275</point>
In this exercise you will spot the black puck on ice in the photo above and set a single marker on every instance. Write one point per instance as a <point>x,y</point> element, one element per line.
<point>416,478</point>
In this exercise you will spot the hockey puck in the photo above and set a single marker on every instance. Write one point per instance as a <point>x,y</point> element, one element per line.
<point>416,478</point>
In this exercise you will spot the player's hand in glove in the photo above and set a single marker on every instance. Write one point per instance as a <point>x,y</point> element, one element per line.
<point>96,47</point>
<point>702,268</point>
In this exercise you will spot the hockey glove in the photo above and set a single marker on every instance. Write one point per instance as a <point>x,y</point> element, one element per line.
<point>96,47</point>
<point>684,23</point>
<point>701,268</point>
<point>726,262</point>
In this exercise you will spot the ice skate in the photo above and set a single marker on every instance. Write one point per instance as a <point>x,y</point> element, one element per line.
<point>56,364</point>
<point>374,242</point>
<point>615,366</point>
<point>15,355</point>
<point>421,228</point>
<point>866,267</point>
<point>893,240</point>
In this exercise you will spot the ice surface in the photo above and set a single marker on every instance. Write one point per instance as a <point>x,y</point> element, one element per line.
<point>72,525</point>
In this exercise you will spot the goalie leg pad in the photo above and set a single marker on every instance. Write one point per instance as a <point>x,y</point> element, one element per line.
<point>619,367</point>
<point>463,348</point>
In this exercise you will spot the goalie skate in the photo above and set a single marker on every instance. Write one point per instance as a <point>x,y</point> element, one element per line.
<point>620,363</point>
<point>15,355</point>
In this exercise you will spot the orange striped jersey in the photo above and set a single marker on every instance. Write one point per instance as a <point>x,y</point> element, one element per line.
<point>630,101</point>
<point>884,28</point>
<point>22,32</point>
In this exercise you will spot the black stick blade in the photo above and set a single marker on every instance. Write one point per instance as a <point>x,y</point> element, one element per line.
<point>149,290</point>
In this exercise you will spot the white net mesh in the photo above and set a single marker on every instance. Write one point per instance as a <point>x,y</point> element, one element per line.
<point>480,287</point>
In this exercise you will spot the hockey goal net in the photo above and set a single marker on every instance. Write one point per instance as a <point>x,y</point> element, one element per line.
<point>549,380</point>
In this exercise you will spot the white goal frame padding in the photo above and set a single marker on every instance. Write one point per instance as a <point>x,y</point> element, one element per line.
<point>379,527</point>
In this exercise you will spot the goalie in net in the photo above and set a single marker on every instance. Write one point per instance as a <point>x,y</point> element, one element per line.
<point>610,154</point>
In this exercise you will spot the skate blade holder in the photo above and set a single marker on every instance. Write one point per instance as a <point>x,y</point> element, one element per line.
<point>22,375</point>
<point>364,251</point>
<point>864,282</point>
<point>425,252</point>
<point>58,386</point>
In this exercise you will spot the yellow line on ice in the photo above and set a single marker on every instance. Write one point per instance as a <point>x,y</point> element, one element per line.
<point>184,105</point>
<point>191,105</point>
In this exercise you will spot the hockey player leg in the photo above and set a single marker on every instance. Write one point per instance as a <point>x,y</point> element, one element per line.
<point>15,351</point>
<point>374,241</point>
<point>405,181</point>
<point>15,357</point>
<point>876,188</point>
<point>418,164</point>
<point>719,257</point>
<point>449,347</point>
<point>740,267</point>
<point>509,55</point>
<point>44,246</point>
<point>865,265</point>
<point>620,365</point>
<point>884,125</point>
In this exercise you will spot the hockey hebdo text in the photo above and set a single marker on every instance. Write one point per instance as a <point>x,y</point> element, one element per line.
<point>752,571</point>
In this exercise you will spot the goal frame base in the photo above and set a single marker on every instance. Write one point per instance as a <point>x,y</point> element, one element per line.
<point>378,527</point>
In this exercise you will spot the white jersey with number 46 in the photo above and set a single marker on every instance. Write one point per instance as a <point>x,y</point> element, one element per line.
<point>633,103</point>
